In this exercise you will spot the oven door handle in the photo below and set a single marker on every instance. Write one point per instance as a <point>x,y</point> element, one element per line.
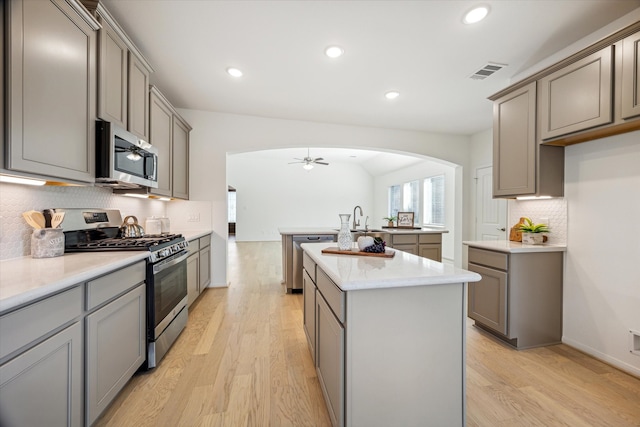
<point>169,263</point>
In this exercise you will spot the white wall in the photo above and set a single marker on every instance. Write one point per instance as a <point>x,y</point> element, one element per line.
<point>421,171</point>
<point>216,134</point>
<point>602,278</point>
<point>272,194</point>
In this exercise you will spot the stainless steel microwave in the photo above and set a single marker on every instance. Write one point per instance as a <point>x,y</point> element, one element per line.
<point>123,160</point>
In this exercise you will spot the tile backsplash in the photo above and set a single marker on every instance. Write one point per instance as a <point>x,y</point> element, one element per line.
<point>15,234</point>
<point>555,210</point>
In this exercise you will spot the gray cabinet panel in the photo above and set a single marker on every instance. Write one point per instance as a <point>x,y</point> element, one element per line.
<point>577,97</point>
<point>334,296</point>
<point>330,359</point>
<point>514,143</point>
<point>103,288</point>
<point>138,98</point>
<point>204,268</point>
<point>433,252</point>
<point>193,263</point>
<point>116,338</point>
<point>488,298</point>
<point>160,129</point>
<point>309,314</point>
<point>113,77</point>
<point>43,386</point>
<point>28,324</point>
<point>631,76</point>
<point>180,158</point>
<point>412,249</point>
<point>51,99</point>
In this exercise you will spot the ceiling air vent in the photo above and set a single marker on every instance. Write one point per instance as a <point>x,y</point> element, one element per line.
<point>487,70</point>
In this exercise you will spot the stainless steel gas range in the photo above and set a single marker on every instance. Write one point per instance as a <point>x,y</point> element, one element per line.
<point>88,230</point>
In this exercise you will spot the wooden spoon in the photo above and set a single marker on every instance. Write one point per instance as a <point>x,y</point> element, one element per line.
<point>57,219</point>
<point>33,223</point>
<point>38,217</point>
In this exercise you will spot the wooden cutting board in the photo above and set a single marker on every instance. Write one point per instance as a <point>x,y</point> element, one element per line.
<point>336,251</point>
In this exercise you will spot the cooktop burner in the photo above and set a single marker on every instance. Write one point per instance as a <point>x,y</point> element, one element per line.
<point>125,243</point>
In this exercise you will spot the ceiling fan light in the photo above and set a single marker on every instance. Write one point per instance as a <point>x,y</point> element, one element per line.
<point>307,166</point>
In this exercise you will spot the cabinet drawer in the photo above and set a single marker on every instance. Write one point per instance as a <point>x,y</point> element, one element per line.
<point>430,238</point>
<point>332,294</point>
<point>489,258</point>
<point>310,266</point>
<point>194,245</point>
<point>27,324</point>
<point>111,285</point>
<point>205,241</point>
<point>399,239</point>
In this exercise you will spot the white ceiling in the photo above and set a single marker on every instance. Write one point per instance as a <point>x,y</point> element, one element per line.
<point>420,48</point>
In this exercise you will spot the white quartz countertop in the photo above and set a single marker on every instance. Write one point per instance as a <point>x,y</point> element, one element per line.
<point>27,279</point>
<point>514,247</point>
<point>326,230</point>
<point>357,272</point>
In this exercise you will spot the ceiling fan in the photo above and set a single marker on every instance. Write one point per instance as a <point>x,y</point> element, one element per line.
<point>309,161</point>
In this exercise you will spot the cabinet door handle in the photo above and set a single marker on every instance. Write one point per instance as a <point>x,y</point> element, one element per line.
<point>501,229</point>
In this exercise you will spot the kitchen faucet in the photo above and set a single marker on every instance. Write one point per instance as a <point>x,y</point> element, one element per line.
<point>355,224</point>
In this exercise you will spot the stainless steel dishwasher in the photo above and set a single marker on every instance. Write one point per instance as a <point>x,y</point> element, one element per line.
<point>297,255</point>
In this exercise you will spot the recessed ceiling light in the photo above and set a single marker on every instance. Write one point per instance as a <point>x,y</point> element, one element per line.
<point>334,51</point>
<point>392,94</point>
<point>476,14</point>
<point>234,72</point>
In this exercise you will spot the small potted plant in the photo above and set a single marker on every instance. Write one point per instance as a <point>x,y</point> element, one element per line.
<point>390,220</point>
<point>532,233</point>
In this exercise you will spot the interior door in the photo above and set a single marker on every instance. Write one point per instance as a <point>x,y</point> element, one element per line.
<point>491,214</point>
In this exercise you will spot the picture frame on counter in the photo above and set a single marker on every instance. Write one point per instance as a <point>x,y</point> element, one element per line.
<point>405,219</point>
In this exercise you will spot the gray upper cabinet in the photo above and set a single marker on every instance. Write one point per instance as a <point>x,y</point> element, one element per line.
<point>160,131</point>
<point>578,96</point>
<point>631,76</point>
<point>514,142</point>
<point>123,84</point>
<point>51,99</point>
<point>170,134</point>
<point>180,158</point>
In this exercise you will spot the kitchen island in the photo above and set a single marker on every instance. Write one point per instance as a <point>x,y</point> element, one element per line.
<point>387,336</point>
<point>426,242</point>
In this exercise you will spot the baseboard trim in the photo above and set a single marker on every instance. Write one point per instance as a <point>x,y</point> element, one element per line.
<point>605,358</point>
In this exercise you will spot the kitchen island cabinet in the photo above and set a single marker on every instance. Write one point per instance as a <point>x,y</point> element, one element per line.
<point>519,298</point>
<point>51,100</point>
<point>389,338</point>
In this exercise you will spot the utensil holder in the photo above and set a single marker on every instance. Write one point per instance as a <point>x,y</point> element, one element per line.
<point>47,243</point>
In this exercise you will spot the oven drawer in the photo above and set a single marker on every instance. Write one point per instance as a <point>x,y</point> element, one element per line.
<point>113,284</point>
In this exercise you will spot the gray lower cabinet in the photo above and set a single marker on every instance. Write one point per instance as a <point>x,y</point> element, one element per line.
<point>51,101</point>
<point>41,363</point>
<point>115,334</point>
<point>198,267</point>
<point>424,245</point>
<point>519,298</point>
<point>116,337</point>
<point>309,318</point>
<point>330,359</point>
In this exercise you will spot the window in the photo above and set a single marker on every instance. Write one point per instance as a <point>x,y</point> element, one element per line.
<point>232,206</point>
<point>433,199</point>
<point>405,198</point>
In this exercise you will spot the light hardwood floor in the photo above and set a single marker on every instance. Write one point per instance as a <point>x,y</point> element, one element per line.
<point>243,361</point>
